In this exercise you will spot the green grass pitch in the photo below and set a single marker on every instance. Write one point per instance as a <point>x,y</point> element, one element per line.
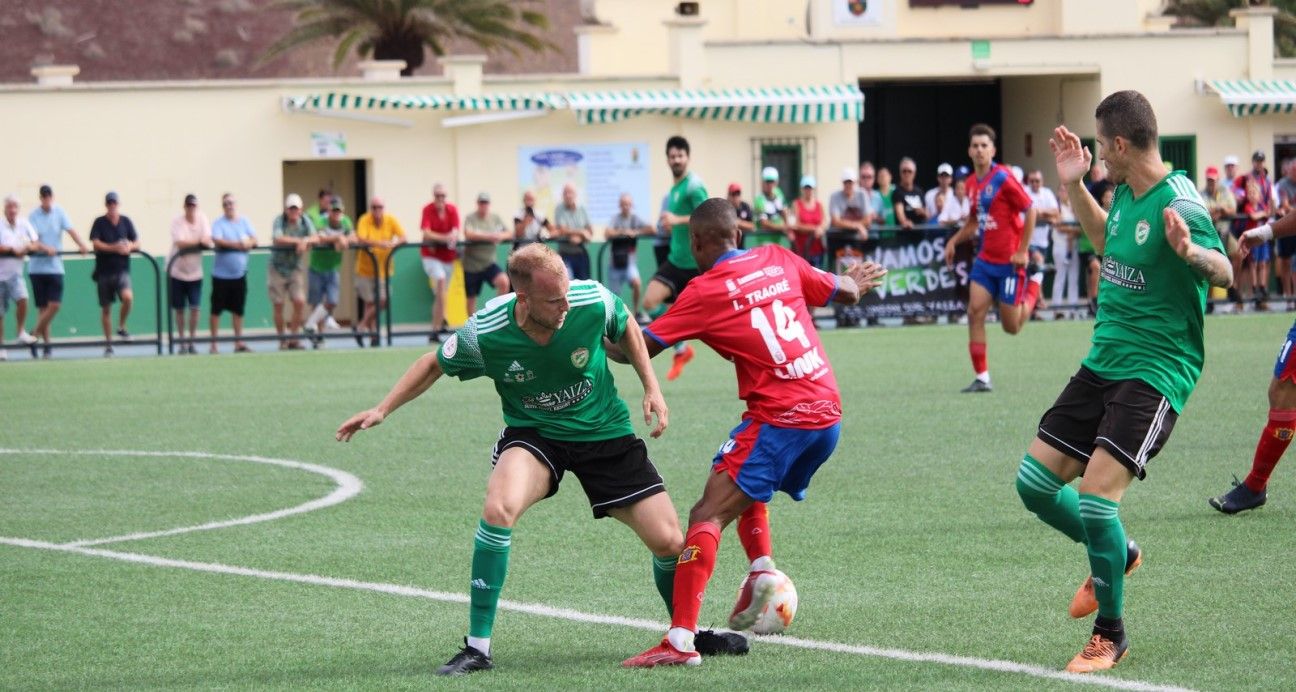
<point>912,536</point>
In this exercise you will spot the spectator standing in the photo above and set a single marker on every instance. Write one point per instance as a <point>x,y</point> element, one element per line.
<point>190,233</point>
<point>572,226</point>
<point>1255,211</point>
<point>233,236</point>
<point>770,208</point>
<point>1066,263</point>
<point>1220,202</point>
<point>529,224</point>
<point>17,240</point>
<point>886,187</point>
<point>292,236</point>
<point>324,281</point>
<point>876,205</point>
<point>623,233</point>
<point>1231,176</point>
<point>746,216</point>
<point>114,239</point>
<point>907,198</point>
<point>440,226</point>
<point>807,232</point>
<point>942,195</point>
<point>318,212</point>
<point>1286,191</point>
<point>849,216</point>
<point>662,239</point>
<point>382,232</point>
<point>956,212</point>
<point>483,231</point>
<point>46,268</point>
<point>1045,204</point>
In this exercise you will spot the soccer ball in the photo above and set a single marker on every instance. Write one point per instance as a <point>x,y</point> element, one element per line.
<point>781,607</point>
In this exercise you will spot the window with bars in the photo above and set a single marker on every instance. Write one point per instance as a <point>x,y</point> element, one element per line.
<point>790,156</point>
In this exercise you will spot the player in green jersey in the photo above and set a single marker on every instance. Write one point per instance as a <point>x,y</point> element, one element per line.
<point>543,347</point>
<point>1160,256</point>
<point>686,193</point>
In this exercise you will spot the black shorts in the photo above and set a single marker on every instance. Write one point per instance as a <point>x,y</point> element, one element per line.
<point>674,277</point>
<point>614,473</point>
<point>1285,247</point>
<point>185,293</point>
<point>112,286</point>
<point>228,294</point>
<point>660,253</point>
<point>46,289</point>
<point>1128,418</point>
<point>473,281</point>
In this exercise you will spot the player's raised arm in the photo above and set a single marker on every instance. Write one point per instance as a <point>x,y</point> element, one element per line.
<point>1214,266</point>
<point>414,382</point>
<point>632,347</point>
<point>1073,162</point>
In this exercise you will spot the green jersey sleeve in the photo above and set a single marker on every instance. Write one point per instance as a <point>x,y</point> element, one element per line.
<point>1199,222</point>
<point>615,314</point>
<point>461,355</point>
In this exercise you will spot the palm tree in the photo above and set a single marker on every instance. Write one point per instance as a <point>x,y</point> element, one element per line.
<point>1216,13</point>
<point>402,29</point>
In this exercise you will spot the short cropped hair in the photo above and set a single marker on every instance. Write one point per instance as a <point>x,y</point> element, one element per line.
<point>1128,114</point>
<point>982,129</point>
<point>714,219</point>
<point>527,260</point>
<point>677,142</point>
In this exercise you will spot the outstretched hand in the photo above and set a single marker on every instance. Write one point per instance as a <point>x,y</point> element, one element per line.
<point>654,403</point>
<point>867,275</point>
<point>1073,159</point>
<point>1177,234</point>
<point>360,421</point>
<point>1250,239</point>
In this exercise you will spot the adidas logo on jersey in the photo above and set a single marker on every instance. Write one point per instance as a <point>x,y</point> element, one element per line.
<point>516,367</point>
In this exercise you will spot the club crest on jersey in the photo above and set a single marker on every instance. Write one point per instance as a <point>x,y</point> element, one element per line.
<point>449,348</point>
<point>580,357</point>
<point>1141,231</point>
<point>689,554</point>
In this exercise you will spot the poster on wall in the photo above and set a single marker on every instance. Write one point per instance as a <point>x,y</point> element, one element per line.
<point>857,12</point>
<point>601,173</point>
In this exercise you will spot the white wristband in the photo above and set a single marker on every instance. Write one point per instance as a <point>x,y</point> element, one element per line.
<point>1264,232</point>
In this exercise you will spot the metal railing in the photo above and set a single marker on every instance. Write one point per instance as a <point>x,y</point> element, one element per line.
<point>99,343</point>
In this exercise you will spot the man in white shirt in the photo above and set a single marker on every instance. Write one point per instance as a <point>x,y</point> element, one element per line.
<point>942,195</point>
<point>17,238</point>
<point>1046,215</point>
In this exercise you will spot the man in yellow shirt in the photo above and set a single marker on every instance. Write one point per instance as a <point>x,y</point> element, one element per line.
<point>380,232</point>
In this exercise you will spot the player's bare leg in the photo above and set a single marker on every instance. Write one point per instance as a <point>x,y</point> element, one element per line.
<point>1277,435</point>
<point>517,482</point>
<point>979,300</point>
<point>722,502</point>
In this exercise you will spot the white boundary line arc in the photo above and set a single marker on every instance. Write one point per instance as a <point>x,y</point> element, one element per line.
<point>348,486</point>
<point>993,665</point>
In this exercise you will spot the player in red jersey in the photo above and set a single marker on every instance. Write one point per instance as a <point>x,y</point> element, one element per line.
<point>753,308</point>
<point>999,271</point>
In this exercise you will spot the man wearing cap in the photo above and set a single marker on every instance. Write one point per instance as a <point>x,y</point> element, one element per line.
<point>292,237</point>
<point>483,231</point>
<point>942,195</point>
<point>1221,204</point>
<point>382,232</point>
<point>770,208</point>
<point>17,240</point>
<point>46,267</point>
<point>574,232</point>
<point>324,286</point>
<point>743,210</point>
<point>440,227</point>
<point>114,239</point>
<point>233,236</point>
<point>190,232</point>
<point>1230,177</point>
<point>907,198</point>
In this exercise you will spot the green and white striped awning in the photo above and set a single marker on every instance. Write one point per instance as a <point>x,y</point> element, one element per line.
<point>1256,96</point>
<point>339,101</point>
<point>812,104</point>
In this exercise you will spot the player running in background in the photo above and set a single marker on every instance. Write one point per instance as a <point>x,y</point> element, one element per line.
<point>751,307</point>
<point>543,347</point>
<point>1277,434</point>
<point>678,270</point>
<point>999,271</point>
<point>1160,256</point>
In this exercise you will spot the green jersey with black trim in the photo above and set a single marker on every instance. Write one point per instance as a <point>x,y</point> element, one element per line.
<point>685,196</point>
<point>563,389</point>
<point>1151,304</point>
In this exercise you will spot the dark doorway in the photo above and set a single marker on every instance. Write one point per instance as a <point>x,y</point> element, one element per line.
<point>926,121</point>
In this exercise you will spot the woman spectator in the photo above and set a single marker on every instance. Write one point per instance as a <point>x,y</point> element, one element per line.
<point>807,231</point>
<point>885,187</point>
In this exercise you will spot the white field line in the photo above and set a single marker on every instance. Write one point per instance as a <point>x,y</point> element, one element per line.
<point>348,486</point>
<point>592,618</point>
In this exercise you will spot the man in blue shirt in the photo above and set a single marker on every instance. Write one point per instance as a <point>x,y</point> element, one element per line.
<point>45,267</point>
<point>233,236</point>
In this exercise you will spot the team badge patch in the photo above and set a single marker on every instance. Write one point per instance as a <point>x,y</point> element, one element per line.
<point>689,554</point>
<point>449,348</point>
<point>580,357</point>
<point>1284,433</point>
<point>857,7</point>
<point>1141,231</point>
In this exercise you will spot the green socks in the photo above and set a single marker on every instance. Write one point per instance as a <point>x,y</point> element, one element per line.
<point>489,567</point>
<point>664,576</point>
<point>1053,501</point>
<point>1107,552</point>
